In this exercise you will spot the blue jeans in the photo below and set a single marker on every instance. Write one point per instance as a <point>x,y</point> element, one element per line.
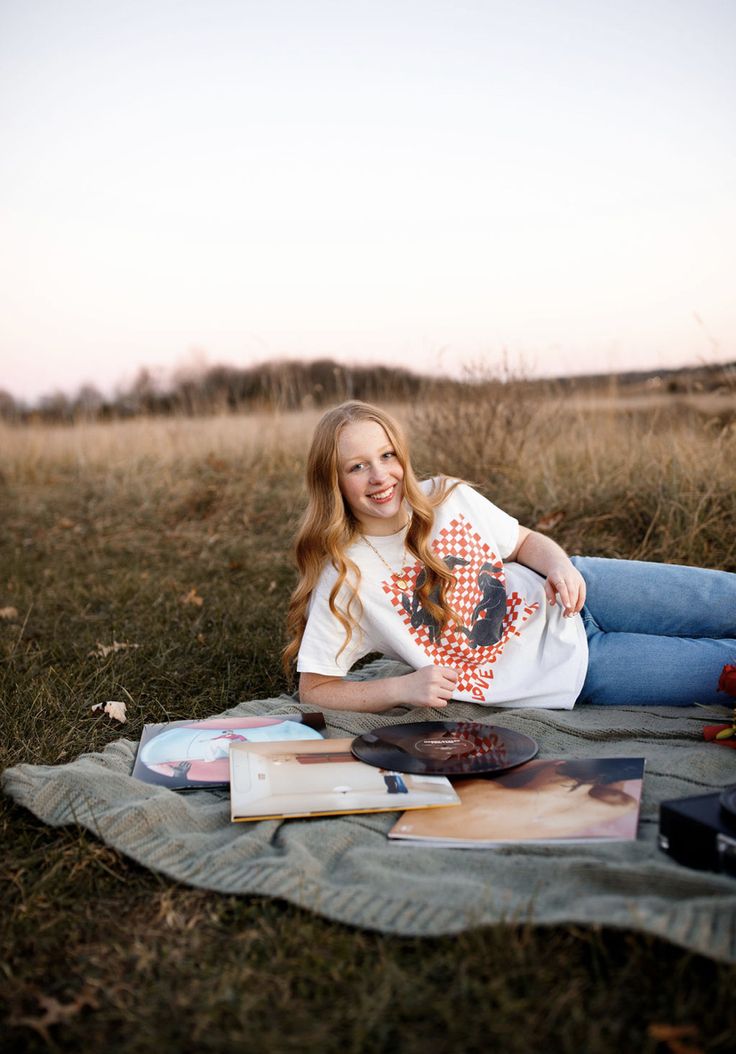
<point>657,633</point>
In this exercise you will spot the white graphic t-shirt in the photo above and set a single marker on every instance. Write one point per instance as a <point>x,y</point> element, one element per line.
<point>512,649</point>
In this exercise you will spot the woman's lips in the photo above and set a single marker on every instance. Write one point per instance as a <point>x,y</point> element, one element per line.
<point>383,496</point>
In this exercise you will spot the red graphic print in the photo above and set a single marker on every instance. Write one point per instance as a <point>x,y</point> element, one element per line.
<point>471,561</point>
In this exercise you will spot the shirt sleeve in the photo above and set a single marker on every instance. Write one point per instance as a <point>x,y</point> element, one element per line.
<point>503,528</point>
<point>324,636</point>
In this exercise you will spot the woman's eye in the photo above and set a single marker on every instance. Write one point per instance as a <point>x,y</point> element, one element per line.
<point>389,454</point>
<point>354,468</point>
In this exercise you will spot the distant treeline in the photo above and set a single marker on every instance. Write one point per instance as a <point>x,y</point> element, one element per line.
<point>286,385</point>
<point>293,385</point>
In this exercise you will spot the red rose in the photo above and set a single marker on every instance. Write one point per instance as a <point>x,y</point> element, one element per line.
<point>727,681</point>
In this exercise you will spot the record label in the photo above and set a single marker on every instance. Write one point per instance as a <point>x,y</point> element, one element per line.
<point>444,748</point>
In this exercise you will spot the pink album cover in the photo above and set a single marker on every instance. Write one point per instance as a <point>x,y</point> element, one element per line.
<point>192,755</point>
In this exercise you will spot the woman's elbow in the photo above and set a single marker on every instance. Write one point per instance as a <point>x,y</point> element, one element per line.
<point>314,689</point>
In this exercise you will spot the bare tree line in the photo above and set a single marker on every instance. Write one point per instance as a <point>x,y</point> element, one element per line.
<point>293,385</point>
<point>285,385</point>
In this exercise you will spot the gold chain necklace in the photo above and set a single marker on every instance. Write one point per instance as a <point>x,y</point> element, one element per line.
<point>401,582</point>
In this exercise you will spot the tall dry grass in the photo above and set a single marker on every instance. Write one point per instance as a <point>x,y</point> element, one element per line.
<point>149,443</point>
<point>653,484</point>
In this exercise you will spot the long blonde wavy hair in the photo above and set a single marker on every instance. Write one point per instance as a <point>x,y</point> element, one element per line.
<point>329,526</point>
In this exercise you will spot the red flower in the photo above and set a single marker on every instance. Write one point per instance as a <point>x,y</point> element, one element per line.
<point>710,735</point>
<point>727,681</point>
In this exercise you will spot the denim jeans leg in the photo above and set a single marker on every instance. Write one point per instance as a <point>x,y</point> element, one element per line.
<point>667,599</point>
<point>658,634</point>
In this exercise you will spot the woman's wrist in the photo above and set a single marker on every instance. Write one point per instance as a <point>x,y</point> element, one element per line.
<point>373,696</point>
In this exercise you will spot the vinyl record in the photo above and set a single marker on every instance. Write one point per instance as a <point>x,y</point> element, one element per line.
<point>444,748</point>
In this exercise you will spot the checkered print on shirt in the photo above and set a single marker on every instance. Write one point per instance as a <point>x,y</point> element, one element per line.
<point>474,665</point>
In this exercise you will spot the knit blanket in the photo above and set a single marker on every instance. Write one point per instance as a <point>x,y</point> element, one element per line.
<point>346,869</point>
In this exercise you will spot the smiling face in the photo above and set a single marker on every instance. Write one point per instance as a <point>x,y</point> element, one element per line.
<point>371,477</point>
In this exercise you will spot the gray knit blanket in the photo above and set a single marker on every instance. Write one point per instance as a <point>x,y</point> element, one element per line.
<point>346,869</point>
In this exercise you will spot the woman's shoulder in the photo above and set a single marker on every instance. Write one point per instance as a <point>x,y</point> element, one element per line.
<point>329,572</point>
<point>453,494</point>
<point>439,488</point>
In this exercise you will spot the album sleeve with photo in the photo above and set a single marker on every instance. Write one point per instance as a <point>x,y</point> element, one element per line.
<point>321,778</point>
<point>557,801</point>
<point>193,755</point>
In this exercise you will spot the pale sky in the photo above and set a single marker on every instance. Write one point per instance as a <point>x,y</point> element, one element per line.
<point>421,182</point>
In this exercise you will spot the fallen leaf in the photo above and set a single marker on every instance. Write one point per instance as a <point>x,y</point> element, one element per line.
<point>272,585</point>
<point>54,1013</point>
<point>66,523</point>
<point>550,521</point>
<point>192,597</point>
<point>101,651</point>
<point>113,709</point>
<point>9,613</point>
<point>676,1038</point>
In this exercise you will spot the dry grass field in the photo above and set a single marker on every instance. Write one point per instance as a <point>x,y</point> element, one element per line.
<point>107,530</point>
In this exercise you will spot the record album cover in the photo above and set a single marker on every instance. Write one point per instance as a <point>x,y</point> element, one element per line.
<point>562,800</point>
<point>319,778</point>
<point>190,755</point>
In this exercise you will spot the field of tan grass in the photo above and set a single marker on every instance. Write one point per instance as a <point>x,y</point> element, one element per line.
<point>150,441</point>
<point>107,530</point>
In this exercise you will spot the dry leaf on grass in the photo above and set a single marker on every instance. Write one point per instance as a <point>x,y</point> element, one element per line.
<point>9,613</point>
<point>54,1013</point>
<point>113,709</point>
<point>101,651</point>
<point>216,463</point>
<point>679,1039</point>
<point>192,597</point>
<point>550,521</point>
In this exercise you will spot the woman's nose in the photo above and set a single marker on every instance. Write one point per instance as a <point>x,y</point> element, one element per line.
<point>378,473</point>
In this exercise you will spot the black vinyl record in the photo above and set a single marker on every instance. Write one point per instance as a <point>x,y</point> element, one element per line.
<point>444,748</point>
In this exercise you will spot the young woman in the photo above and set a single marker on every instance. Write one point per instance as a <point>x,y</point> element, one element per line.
<point>483,609</point>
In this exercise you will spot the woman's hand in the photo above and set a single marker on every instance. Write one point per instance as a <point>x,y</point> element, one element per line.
<point>430,686</point>
<point>565,581</point>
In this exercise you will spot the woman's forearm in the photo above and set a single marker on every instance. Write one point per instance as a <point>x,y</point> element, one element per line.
<point>429,686</point>
<point>546,557</point>
<point>540,553</point>
<point>337,693</point>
